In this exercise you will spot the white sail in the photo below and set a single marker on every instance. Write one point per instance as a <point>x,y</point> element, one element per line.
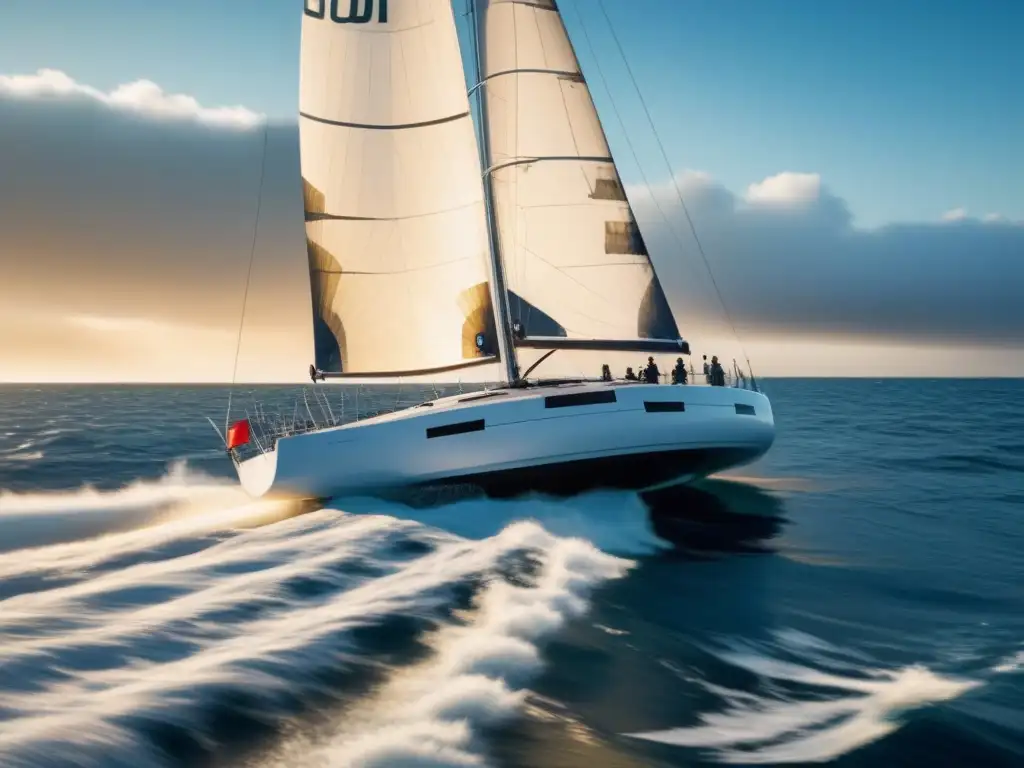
<point>395,225</point>
<point>575,262</point>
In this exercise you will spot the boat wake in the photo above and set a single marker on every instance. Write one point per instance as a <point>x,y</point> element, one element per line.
<point>167,624</point>
<point>175,628</point>
<point>180,503</point>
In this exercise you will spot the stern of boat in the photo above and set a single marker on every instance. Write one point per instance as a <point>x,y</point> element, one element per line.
<point>752,420</point>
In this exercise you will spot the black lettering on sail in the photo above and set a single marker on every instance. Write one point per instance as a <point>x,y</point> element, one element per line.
<point>355,16</point>
<point>358,11</point>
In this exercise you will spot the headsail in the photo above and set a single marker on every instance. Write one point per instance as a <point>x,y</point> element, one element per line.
<point>575,263</point>
<point>395,225</point>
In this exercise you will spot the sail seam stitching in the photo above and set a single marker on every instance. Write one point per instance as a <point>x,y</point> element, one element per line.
<point>526,71</point>
<point>315,216</point>
<point>414,372</point>
<point>373,127</point>
<point>530,3</point>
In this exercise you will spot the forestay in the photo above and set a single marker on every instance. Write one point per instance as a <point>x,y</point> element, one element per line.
<point>395,225</point>
<point>575,262</point>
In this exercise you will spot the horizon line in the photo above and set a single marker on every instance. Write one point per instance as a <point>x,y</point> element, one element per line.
<point>296,382</point>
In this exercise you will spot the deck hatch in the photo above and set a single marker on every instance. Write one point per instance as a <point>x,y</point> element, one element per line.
<point>745,410</point>
<point>664,406</point>
<point>459,428</point>
<point>580,398</point>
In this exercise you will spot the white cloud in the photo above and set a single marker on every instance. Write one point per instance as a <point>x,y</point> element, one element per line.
<point>806,268</point>
<point>786,188</point>
<point>43,345</point>
<point>157,222</point>
<point>142,97</point>
<point>961,215</point>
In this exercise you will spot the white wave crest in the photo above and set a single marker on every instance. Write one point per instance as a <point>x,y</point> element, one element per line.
<point>613,521</point>
<point>25,456</point>
<point>155,624</point>
<point>1011,664</point>
<point>772,728</point>
<point>426,717</point>
<point>59,526</point>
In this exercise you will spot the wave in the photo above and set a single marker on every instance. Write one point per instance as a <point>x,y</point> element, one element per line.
<point>181,502</point>
<point>25,456</point>
<point>164,624</point>
<point>1011,664</point>
<point>617,522</point>
<point>803,714</point>
<point>169,609</point>
<point>427,715</point>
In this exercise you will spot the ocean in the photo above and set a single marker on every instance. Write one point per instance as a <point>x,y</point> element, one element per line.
<point>855,598</point>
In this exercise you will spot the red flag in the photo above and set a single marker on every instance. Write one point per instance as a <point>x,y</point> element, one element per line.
<point>238,434</point>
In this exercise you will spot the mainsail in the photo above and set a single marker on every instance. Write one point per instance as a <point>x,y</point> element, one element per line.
<point>395,226</point>
<point>575,264</point>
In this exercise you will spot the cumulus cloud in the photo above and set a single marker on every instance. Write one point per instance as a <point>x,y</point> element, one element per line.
<point>787,188</point>
<point>126,244</point>
<point>104,214</point>
<point>955,214</point>
<point>111,222</point>
<point>789,259</point>
<point>141,97</point>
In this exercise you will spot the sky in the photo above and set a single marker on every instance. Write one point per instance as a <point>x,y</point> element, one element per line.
<point>853,170</point>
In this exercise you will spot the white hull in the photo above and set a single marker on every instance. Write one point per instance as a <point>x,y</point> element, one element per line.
<point>550,438</point>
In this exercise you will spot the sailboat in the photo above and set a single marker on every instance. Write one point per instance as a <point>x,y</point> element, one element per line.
<point>439,240</point>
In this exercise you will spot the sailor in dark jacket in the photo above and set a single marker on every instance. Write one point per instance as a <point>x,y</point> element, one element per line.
<point>651,373</point>
<point>717,374</point>
<point>679,372</point>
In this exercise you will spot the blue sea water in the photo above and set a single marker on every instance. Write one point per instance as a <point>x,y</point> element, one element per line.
<point>855,598</point>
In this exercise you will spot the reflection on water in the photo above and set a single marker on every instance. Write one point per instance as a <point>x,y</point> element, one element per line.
<point>715,516</point>
<point>632,663</point>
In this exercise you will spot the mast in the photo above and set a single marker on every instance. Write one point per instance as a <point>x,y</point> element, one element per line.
<point>506,342</point>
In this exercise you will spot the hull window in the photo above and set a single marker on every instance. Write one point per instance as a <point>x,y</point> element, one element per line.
<point>745,410</point>
<point>462,427</point>
<point>663,406</point>
<point>579,398</point>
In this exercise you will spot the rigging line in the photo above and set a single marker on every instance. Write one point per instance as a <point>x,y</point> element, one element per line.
<point>625,134</point>
<point>248,275</point>
<point>675,183</point>
<point>561,271</point>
